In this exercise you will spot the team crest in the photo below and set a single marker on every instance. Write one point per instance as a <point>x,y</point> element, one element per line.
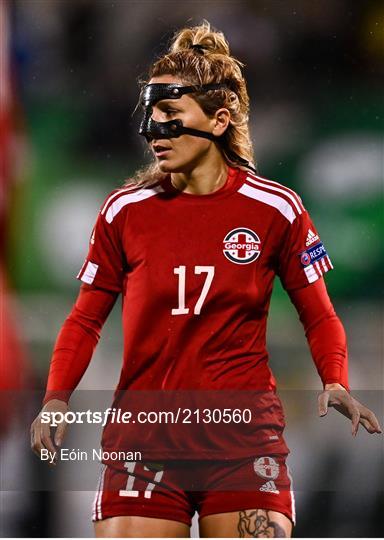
<point>266,467</point>
<point>241,246</point>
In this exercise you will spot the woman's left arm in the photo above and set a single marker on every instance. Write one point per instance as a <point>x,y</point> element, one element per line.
<point>327,342</point>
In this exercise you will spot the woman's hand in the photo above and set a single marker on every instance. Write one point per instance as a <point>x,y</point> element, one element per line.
<point>41,431</point>
<point>336,396</point>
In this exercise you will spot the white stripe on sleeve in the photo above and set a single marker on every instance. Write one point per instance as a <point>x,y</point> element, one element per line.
<point>323,262</point>
<point>311,274</point>
<point>90,273</point>
<point>318,268</point>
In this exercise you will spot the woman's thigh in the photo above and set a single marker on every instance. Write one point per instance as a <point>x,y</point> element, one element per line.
<point>133,503</point>
<point>140,527</point>
<point>253,498</point>
<point>254,523</point>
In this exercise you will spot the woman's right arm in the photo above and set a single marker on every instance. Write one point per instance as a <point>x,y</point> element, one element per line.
<point>72,353</point>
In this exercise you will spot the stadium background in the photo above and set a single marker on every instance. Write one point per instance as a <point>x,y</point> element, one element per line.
<point>314,71</point>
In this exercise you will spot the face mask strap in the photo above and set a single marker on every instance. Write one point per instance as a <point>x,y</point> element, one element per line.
<point>174,129</point>
<point>152,93</point>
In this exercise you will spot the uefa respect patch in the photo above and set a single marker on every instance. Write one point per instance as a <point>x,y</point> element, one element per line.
<point>241,246</point>
<point>313,254</point>
<point>315,261</point>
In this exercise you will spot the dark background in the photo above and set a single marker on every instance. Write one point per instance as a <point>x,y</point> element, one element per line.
<point>315,77</point>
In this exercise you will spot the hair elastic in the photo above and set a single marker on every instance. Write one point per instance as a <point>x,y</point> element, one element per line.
<point>199,48</point>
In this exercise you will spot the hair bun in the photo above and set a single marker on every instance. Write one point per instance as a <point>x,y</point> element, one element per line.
<point>202,39</point>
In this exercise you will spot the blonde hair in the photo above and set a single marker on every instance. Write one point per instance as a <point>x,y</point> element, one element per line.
<point>200,55</point>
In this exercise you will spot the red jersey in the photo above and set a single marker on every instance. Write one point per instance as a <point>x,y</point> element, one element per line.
<point>196,274</point>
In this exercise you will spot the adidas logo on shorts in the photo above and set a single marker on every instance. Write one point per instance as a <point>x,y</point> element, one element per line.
<point>270,487</point>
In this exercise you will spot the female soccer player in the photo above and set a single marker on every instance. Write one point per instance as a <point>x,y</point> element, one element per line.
<point>193,243</point>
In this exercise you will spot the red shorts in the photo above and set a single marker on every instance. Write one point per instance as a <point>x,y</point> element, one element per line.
<point>175,490</point>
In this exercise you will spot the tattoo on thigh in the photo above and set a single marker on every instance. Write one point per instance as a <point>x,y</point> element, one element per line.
<point>256,524</point>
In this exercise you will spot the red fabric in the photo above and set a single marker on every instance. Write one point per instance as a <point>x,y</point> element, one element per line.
<point>80,334</point>
<point>156,244</point>
<point>196,275</point>
<point>324,332</point>
<point>176,490</point>
<point>77,340</point>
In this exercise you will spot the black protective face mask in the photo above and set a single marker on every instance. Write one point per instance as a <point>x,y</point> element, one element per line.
<point>152,93</point>
<point>150,129</point>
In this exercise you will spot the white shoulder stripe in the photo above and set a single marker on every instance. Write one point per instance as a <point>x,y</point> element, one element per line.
<point>130,198</point>
<point>285,189</point>
<point>268,181</point>
<point>277,189</point>
<point>118,194</point>
<point>276,201</point>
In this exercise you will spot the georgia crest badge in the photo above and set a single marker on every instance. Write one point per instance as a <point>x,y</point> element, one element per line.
<point>241,246</point>
<point>266,467</point>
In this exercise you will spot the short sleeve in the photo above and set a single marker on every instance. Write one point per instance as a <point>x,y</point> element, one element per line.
<point>303,258</point>
<point>104,265</point>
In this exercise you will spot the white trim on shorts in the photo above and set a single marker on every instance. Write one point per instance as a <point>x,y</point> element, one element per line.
<point>293,502</point>
<point>96,506</point>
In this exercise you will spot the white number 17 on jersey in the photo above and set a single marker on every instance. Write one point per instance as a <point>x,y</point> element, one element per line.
<point>181,272</point>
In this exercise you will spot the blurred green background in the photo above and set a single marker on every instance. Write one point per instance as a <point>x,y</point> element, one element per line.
<point>315,78</point>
